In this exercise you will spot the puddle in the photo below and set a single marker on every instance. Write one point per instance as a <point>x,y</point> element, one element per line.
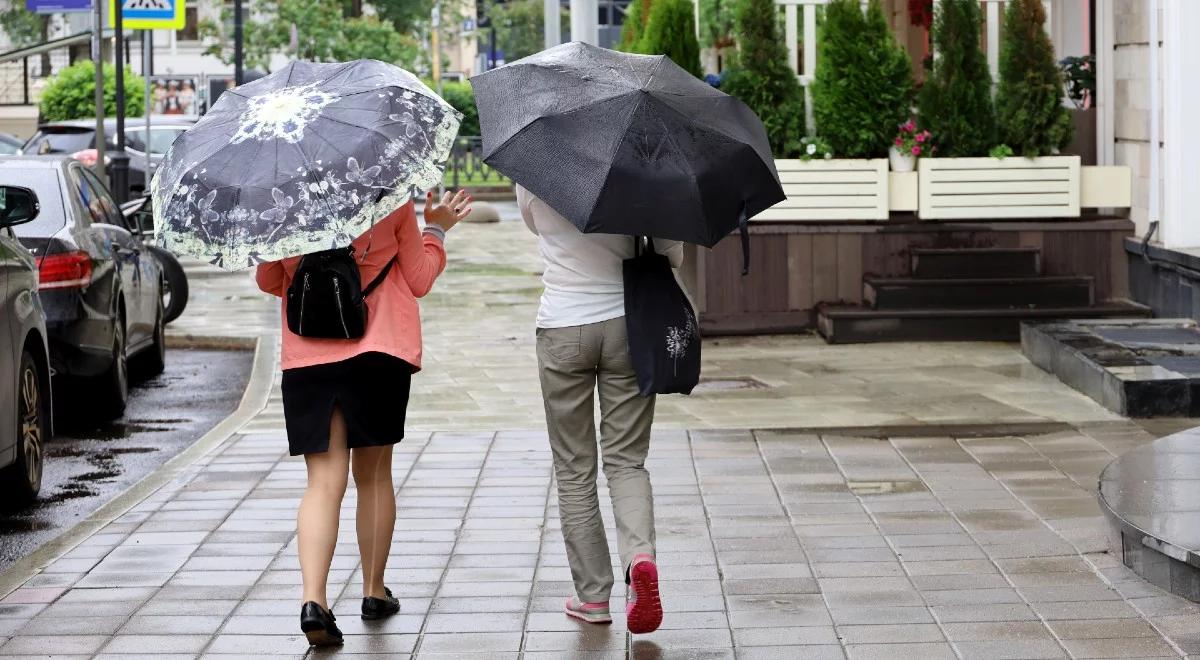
<point>884,487</point>
<point>23,525</point>
<point>730,384</point>
<point>69,491</point>
<point>125,428</point>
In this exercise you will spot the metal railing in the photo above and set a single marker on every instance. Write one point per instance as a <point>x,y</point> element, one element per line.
<point>466,168</point>
<point>21,79</point>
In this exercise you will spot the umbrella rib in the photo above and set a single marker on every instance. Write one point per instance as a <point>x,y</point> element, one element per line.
<point>697,119</point>
<point>533,121</point>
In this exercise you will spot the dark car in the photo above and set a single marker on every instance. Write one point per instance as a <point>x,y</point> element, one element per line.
<point>10,144</point>
<point>69,137</point>
<point>100,287</point>
<point>25,408</point>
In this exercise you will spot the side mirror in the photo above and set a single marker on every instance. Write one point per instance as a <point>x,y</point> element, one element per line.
<point>138,217</point>
<point>17,206</point>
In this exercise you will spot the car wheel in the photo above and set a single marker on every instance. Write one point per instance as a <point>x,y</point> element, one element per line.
<point>112,387</point>
<point>23,479</point>
<point>175,283</point>
<point>154,361</point>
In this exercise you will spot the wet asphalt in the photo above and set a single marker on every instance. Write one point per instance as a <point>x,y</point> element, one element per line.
<point>88,463</point>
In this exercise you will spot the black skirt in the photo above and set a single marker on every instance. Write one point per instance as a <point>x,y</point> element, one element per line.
<point>370,389</point>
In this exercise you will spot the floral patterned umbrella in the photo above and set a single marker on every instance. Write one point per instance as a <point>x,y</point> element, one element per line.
<point>303,160</point>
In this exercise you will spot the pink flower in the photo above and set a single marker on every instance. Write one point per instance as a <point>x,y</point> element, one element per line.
<point>909,126</point>
<point>921,138</point>
<point>916,151</point>
<point>899,142</point>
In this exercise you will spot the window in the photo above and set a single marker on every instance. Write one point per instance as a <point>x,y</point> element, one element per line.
<point>191,26</point>
<point>161,139</point>
<point>99,203</point>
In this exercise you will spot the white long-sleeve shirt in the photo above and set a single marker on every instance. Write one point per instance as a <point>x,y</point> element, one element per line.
<point>583,279</point>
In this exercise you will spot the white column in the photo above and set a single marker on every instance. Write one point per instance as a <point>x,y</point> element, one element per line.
<point>584,14</point>
<point>993,40</point>
<point>1181,97</point>
<point>552,14</point>
<point>1155,181</point>
<point>1106,89</point>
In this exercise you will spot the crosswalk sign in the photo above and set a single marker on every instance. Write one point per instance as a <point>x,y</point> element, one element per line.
<point>149,14</point>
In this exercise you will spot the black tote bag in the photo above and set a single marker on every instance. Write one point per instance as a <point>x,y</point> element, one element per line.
<point>664,334</point>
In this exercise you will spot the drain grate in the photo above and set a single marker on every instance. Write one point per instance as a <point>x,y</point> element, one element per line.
<point>729,384</point>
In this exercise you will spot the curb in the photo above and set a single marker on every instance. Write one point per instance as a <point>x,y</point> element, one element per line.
<point>254,400</point>
<point>211,342</point>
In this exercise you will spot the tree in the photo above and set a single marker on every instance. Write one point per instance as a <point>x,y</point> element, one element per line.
<point>636,15</point>
<point>863,88</point>
<point>407,16</point>
<point>761,78</point>
<point>671,31</point>
<point>1030,115</point>
<point>956,100</point>
<point>311,30</point>
<point>461,97</point>
<point>520,27</point>
<point>717,24</point>
<point>25,28</point>
<point>72,93</point>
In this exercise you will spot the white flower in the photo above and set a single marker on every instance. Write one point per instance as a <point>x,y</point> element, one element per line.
<point>828,156</point>
<point>282,114</point>
<point>812,149</point>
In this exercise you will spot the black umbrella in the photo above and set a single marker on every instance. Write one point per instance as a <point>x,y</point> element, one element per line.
<point>627,144</point>
<point>302,160</point>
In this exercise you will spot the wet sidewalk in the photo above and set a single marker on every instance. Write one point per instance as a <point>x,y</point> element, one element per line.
<point>903,501</point>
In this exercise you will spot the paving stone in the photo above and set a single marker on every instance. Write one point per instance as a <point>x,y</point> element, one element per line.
<point>64,644</point>
<point>890,634</point>
<point>156,644</point>
<point>900,652</point>
<point>470,642</point>
<point>1011,649</point>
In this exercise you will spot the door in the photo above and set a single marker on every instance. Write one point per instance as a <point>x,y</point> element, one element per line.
<point>9,353</point>
<point>126,253</point>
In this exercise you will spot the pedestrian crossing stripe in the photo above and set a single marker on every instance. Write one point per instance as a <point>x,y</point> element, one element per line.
<point>149,14</point>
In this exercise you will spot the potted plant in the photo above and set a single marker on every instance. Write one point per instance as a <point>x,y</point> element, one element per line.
<point>909,145</point>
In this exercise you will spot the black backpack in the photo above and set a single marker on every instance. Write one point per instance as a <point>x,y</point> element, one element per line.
<point>326,299</point>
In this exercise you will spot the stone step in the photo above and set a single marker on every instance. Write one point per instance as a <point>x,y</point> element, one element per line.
<point>958,263</point>
<point>857,324</point>
<point>1018,292</point>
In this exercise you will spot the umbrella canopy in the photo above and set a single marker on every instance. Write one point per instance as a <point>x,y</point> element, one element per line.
<point>302,160</point>
<point>626,144</point>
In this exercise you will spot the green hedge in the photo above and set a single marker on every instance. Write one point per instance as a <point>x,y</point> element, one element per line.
<point>72,93</point>
<point>761,78</point>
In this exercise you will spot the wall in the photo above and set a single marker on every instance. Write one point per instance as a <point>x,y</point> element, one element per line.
<point>1131,100</point>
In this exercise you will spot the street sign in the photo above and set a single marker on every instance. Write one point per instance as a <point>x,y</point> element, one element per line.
<point>149,14</point>
<point>57,6</point>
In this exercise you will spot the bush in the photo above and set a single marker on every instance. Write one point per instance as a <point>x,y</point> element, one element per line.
<point>72,93</point>
<point>761,78</point>
<point>636,16</point>
<point>671,31</point>
<point>1030,115</point>
<point>863,87</point>
<point>956,100</point>
<point>462,98</point>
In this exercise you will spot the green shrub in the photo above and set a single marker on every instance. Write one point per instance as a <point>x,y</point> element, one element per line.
<point>863,87</point>
<point>762,79</point>
<point>671,31</point>
<point>462,98</point>
<point>636,16</point>
<point>1030,115</point>
<point>956,100</point>
<point>72,93</point>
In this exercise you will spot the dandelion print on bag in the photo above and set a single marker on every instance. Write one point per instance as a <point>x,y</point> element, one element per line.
<point>679,339</point>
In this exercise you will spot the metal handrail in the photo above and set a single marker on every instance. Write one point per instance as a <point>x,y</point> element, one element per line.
<point>466,165</point>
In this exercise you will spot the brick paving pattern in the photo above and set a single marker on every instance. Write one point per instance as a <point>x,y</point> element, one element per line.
<point>773,543</point>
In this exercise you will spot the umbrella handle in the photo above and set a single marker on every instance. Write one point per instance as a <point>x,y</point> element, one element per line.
<point>744,229</point>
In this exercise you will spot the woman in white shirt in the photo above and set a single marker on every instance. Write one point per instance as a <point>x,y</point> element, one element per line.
<point>583,349</point>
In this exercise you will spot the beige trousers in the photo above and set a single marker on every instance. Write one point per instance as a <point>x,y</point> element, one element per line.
<point>575,363</point>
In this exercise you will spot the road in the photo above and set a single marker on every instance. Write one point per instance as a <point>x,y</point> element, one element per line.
<point>88,466</point>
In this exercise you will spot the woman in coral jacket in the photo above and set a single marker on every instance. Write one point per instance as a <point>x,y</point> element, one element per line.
<point>344,402</point>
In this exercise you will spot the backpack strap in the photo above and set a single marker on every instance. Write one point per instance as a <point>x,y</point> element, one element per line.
<point>378,278</point>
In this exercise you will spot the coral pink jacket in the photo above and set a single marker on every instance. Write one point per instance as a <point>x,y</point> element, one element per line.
<point>394,321</point>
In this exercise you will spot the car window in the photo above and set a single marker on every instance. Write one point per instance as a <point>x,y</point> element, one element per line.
<point>161,139</point>
<point>55,142</point>
<point>107,207</point>
<point>8,148</point>
<point>47,185</point>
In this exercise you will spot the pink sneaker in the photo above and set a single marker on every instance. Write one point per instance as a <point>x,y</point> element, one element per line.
<point>644,612</point>
<point>589,612</point>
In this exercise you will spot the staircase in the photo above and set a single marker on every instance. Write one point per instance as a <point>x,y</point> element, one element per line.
<point>966,294</point>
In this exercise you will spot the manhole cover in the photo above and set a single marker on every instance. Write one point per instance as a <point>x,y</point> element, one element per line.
<point>729,384</point>
<point>884,487</point>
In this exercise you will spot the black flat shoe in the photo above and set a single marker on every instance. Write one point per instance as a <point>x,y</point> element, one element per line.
<point>318,625</point>
<point>380,608</point>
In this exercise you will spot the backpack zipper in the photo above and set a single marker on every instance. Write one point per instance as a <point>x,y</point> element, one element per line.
<point>337,296</point>
<point>303,297</point>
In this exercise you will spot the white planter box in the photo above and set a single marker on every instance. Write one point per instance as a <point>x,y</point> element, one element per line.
<point>827,190</point>
<point>979,188</point>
